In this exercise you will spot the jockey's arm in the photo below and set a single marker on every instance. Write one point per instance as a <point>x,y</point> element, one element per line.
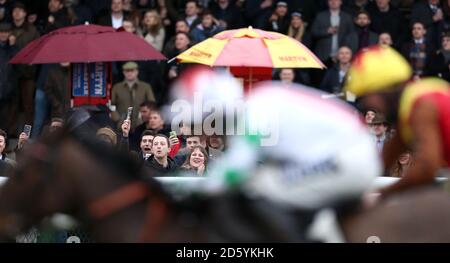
<point>427,150</point>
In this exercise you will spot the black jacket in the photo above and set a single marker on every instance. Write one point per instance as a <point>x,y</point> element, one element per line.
<point>330,82</point>
<point>8,77</point>
<point>430,52</point>
<point>157,170</point>
<point>392,22</point>
<point>439,66</point>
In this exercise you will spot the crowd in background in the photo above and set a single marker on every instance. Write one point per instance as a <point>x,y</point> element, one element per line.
<point>334,30</point>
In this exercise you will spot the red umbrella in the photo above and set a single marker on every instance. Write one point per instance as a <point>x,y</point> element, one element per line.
<point>86,44</point>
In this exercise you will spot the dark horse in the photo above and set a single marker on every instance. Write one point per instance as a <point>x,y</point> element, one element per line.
<point>113,197</point>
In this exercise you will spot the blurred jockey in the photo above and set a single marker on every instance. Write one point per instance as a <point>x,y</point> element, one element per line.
<point>300,151</point>
<point>420,110</point>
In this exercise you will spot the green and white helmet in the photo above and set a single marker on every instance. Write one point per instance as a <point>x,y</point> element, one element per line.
<point>299,150</point>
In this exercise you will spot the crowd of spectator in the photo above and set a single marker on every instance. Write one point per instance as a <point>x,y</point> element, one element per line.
<point>334,30</point>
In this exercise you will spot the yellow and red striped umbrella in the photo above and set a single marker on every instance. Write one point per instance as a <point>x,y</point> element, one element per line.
<point>247,47</point>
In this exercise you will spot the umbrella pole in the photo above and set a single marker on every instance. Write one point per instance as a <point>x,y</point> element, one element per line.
<point>70,84</point>
<point>250,84</point>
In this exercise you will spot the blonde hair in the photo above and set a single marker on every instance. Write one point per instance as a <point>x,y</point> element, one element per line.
<point>152,29</point>
<point>398,170</point>
<point>297,34</point>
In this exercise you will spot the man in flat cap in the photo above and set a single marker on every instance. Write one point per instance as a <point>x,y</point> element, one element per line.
<point>380,129</point>
<point>130,93</point>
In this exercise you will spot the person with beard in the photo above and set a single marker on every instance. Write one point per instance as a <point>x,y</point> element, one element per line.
<point>364,36</point>
<point>418,109</point>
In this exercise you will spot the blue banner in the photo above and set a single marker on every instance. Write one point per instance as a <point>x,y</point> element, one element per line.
<point>80,80</point>
<point>89,80</point>
<point>98,79</point>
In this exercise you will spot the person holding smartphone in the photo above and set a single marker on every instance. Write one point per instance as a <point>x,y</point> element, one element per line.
<point>5,162</point>
<point>24,136</point>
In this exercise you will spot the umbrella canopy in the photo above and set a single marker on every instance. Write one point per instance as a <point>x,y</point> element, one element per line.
<point>249,47</point>
<point>86,44</point>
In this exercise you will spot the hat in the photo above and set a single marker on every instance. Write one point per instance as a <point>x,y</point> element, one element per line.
<point>5,27</point>
<point>298,14</point>
<point>130,66</point>
<point>282,3</point>
<point>379,119</point>
<point>108,132</point>
<point>377,69</point>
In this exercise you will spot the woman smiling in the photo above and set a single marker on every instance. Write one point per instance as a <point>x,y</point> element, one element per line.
<point>197,162</point>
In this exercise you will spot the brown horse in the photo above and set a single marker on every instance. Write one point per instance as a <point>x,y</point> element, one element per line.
<point>421,215</point>
<point>106,192</point>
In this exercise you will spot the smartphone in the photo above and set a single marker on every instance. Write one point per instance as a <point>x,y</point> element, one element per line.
<point>27,129</point>
<point>173,134</point>
<point>130,111</point>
